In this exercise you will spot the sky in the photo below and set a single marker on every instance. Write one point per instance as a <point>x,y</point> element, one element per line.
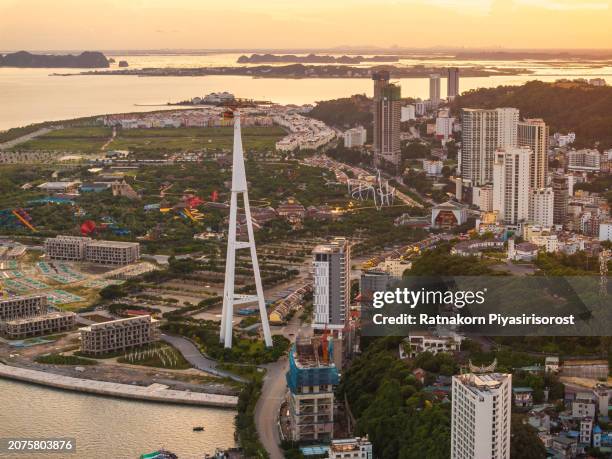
<point>284,24</point>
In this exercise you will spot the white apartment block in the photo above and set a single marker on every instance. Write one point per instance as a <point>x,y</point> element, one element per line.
<point>355,137</point>
<point>351,448</point>
<point>46,324</point>
<point>75,248</point>
<point>483,132</point>
<point>433,167</point>
<point>19,307</point>
<point>444,126</point>
<point>118,335</point>
<point>331,284</point>
<point>584,160</point>
<point>480,421</point>
<point>482,197</point>
<point>407,113</point>
<point>542,207</point>
<point>511,190</point>
<point>605,231</point>
<point>427,342</point>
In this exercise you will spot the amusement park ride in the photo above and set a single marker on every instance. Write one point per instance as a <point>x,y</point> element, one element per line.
<point>378,190</point>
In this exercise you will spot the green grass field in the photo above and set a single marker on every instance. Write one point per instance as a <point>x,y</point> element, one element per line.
<point>70,140</point>
<point>186,139</point>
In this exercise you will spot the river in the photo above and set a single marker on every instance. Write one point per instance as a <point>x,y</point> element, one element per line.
<point>34,95</point>
<point>110,428</point>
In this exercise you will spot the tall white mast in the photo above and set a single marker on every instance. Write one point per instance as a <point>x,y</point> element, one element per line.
<point>230,298</point>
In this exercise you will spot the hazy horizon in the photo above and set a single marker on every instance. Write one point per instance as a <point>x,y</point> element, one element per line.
<point>317,24</point>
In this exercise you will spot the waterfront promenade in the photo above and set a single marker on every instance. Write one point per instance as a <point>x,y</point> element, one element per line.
<point>154,392</point>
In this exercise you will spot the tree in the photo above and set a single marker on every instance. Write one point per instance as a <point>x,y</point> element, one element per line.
<point>524,440</point>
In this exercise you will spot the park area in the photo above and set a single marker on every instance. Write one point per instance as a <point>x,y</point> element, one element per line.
<point>94,139</point>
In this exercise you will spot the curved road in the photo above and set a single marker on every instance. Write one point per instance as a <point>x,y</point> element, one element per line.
<point>193,355</point>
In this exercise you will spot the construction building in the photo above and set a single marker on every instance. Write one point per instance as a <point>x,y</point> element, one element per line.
<point>119,335</point>
<point>311,380</point>
<point>76,248</point>
<point>19,307</point>
<point>46,324</point>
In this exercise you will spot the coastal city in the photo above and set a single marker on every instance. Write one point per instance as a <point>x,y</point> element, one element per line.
<point>200,273</point>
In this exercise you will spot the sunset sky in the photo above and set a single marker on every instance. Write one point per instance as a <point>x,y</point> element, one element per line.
<point>198,24</point>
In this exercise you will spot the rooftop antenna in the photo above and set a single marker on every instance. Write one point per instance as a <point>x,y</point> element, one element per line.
<point>230,297</point>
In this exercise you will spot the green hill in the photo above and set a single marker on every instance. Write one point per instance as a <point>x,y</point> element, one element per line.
<point>565,106</point>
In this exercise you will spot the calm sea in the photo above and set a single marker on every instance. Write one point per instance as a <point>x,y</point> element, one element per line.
<point>33,95</point>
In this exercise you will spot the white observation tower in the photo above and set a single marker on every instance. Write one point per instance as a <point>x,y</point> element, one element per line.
<point>230,297</point>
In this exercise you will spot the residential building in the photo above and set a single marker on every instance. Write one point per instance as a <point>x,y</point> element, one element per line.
<point>480,420</point>
<point>444,127</point>
<point>523,397</point>
<point>605,231</point>
<point>423,341</point>
<point>372,280</point>
<point>542,207</point>
<point>408,113</point>
<point>76,248</point>
<point>311,380</point>
<point>586,430</point>
<point>331,284</point>
<point>511,191</point>
<point>482,197</point>
<point>583,407</point>
<point>38,325</point>
<point>355,137</point>
<point>433,167</point>
<point>395,267</point>
<point>119,335</point>
<point>534,133</point>
<point>434,88</point>
<point>483,132</point>
<point>351,448</point>
<point>584,160</point>
<point>563,140</point>
<point>560,199</point>
<point>18,307</point>
<point>387,114</point>
<point>452,83</point>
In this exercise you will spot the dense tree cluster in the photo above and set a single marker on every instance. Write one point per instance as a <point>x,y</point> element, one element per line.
<point>578,107</point>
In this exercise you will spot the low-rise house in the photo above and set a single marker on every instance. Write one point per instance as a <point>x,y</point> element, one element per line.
<point>522,397</point>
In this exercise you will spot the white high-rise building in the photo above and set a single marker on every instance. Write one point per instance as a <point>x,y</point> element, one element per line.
<point>408,113</point>
<point>355,137</point>
<point>434,87</point>
<point>542,207</point>
<point>511,184</point>
<point>480,421</point>
<point>482,197</point>
<point>483,132</point>
<point>444,126</point>
<point>331,284</point>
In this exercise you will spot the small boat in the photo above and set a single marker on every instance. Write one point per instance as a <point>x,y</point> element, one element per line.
<point>198,429</point>
<point>161,454</point>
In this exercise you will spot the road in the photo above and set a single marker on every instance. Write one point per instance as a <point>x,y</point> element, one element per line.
<point>273,394</point>
<point>193,355</point>
<point>26,137</point>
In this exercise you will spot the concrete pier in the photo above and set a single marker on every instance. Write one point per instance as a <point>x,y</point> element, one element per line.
<point>154,392</point>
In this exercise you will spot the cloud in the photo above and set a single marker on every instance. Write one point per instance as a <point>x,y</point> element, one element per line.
<point>565,5</point>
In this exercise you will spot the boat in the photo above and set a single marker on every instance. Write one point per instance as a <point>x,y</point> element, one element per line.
<point>160,454</point>
<point>198,429</point>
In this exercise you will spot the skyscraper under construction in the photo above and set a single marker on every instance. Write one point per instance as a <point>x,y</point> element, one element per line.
<point>387,112</point>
